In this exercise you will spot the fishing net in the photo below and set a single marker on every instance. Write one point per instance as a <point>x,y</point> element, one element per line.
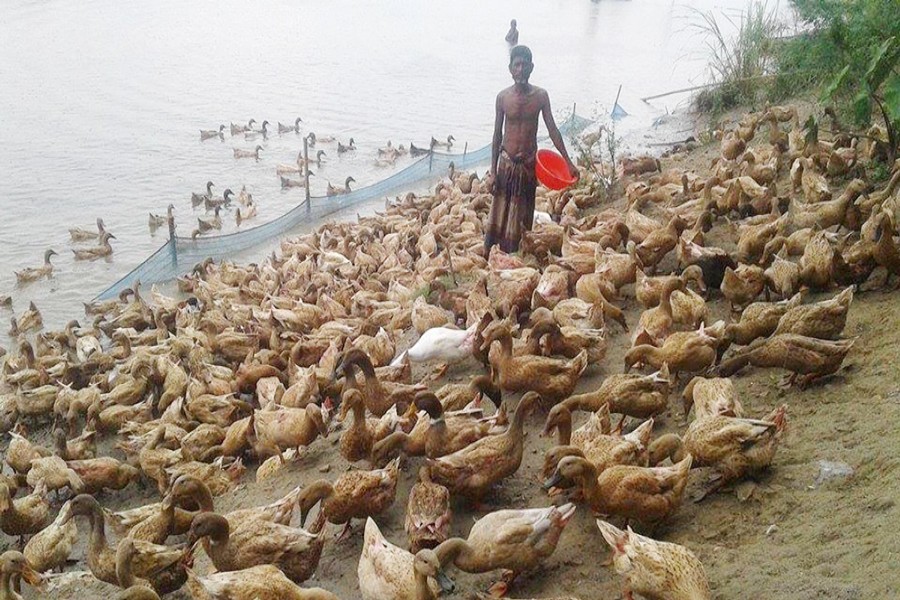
<point>180,254</point>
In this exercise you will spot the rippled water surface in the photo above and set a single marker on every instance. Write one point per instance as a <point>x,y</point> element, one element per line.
<point>102,102</point>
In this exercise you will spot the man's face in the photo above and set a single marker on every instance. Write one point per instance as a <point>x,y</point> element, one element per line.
<point>520,69</point>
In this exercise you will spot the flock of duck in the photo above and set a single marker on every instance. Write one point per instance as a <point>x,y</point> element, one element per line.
<point>259,362</point>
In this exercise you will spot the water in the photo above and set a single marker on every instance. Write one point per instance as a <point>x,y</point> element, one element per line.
<point>102,102</point>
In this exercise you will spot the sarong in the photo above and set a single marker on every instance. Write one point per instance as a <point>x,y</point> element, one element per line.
<point>512,211</point>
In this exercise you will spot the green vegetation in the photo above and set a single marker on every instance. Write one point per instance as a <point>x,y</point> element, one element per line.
<point>848,53</point>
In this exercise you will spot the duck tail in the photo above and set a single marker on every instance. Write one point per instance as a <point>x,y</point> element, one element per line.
<point>399,360</point>
<point>579,363</point>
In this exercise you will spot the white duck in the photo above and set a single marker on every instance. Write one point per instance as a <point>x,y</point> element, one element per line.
<point>442,344</point>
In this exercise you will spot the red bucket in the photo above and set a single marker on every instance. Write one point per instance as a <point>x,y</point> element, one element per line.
<point>551,170</point>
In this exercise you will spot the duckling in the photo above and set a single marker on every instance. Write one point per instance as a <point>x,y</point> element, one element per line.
<point>645,494</point>
<point>386,571</point>
<point>30,274</point>
<point>338,191</point>
<point>29,320</point>
<point>355,494</point>
<point>206,134</point>
<point>428,513</point>
<point>14,565</point>
<point>157,221</point>
<point>472,470</point>
<point>288,128</point>
<point>342,149</point>
<point>101,251</point>
<point>742,285</point>
<point>255,133</point>
<point>655,569</point>
<point>238,153</point>
<point>208,224</point>
<point>823,320</point>
<point>512,540</point>
<point>805,357</point>
<point>199,198</point>
<point>82,235</point>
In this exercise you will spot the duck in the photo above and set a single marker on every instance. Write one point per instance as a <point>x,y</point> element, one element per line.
<point>357,439</point>
<point>731,145</point>
<point>342,149</point>
<point>206,134</point>
<point>885,252</point>
<point>248,213</point>
<point>387,571</point>
<point>551,378</point>
<point>656,323</point>
<point>317,160</point>
<point>238,153</point>
<point>77,234</point>
<point>101,251</point>
<point>51,547</point>
<point>438,433</point>
<point>295,551</point>
<point>380,395</point>
<point>332,190</point>
<point>742,285</point>
<point>570,341</point>
<point>415,151</point>
<point>293,183</point>
<point>782,276</point>
<point>263,582</point>
<point>14,565</point>
<point>29,320</point>
<point>711,260</point>
<point>208,224</point>
<point>659,243</point>
<point>254,133</point>
<point>295,128</point>
<point>456,396</point>
<point>806,358</point>
<point>26,515</point>
<point>441,344</point>
<point>813,184</point>
<point>354,495</point>
<point>30,274</point>
<point>428,513</point>
<point>645,494</point>
<point>472,470</point>
<point>212,203</point>
<point>817,263</point>
<point>236,129</point>
<point>80,448</point>
<point>157,221</point>
<point>638,396</point>
<point>759,319</point>
<point>655,569</point>
<point>711,396</point>
<point>823,320</point>
<point>439,144</point>
<point>683,351</point>
<point>161,566</point>
<point>198,198</point>
<point>297,168</point>
<point>648,290</point>
<point>516,541</point>
<point>98,474</point>
<point>734,447</point>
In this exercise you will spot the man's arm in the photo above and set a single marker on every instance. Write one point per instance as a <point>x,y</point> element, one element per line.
<point>498,134</point>
<point>555,136</point>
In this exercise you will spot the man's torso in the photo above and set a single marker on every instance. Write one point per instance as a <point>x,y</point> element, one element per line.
<point>521,111</point>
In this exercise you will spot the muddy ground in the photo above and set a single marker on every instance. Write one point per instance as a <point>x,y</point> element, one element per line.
<point>791,538</point>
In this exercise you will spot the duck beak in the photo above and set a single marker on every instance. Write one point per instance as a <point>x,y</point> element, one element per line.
<point>32,577</point>
<point>554,480</point>
<point>446,584</point>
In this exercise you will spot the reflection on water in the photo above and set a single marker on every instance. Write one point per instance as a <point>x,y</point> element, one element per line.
<point>102,102</point>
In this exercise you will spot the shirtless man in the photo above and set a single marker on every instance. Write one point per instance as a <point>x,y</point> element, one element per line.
<point>513,154</point>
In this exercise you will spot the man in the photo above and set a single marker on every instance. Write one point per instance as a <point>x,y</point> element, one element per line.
<point>513,154</point>
<point>512,36</point>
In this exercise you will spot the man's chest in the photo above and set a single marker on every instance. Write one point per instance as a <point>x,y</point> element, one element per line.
<point>522,106</point>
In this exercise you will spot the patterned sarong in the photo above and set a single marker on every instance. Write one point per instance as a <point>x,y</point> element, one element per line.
<point>512,211</point>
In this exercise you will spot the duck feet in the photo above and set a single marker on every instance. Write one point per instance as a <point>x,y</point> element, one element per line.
<point>345,532</point>
<point>787,381</point>
<point>500,588</point>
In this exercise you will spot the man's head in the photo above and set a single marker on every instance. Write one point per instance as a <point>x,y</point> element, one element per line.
<point>520,64</point>
<point>512,24</point>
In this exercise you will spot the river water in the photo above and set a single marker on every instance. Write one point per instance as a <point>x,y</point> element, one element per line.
<point>102,102</point>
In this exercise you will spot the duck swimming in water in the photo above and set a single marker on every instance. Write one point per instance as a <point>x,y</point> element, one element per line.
<point>29,274</point>
<point>337,191</point>
<point>82,235</point>
<point>157,221</point>
<point>208,134</point>
<point>104,249</point>
<point>288,128</point>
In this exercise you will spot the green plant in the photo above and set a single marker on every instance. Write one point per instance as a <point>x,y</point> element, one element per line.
<point>740,63</point>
